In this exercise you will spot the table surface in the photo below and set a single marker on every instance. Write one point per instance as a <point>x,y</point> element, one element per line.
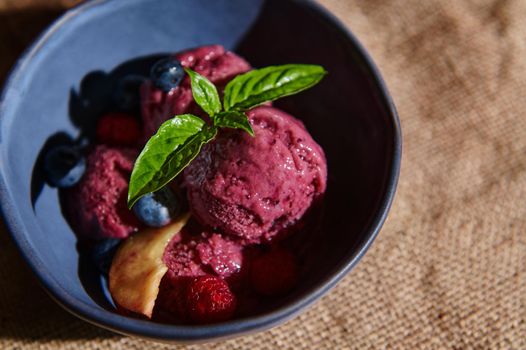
<point>448,269</point>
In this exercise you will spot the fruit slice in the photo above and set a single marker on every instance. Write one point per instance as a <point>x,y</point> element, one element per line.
<point>137,267</point>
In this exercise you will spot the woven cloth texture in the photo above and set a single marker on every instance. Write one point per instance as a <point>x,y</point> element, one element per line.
<point>448,270</point>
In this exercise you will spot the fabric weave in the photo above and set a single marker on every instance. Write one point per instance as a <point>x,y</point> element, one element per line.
<point>448,270</point>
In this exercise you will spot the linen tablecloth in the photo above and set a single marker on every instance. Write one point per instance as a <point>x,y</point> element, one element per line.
<point>448,270</point>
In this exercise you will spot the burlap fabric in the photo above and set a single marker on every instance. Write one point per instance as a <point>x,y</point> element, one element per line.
<point>448,270</point>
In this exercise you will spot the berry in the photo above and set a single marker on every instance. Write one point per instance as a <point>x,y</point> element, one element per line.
<point>126,94</point>
<point>118,129</point>
<point>157,209</point>
<point>209,300</point>
<point>101,254</point>
<point>167,74</point>
<point>274,272</point>
<point>64,166</point>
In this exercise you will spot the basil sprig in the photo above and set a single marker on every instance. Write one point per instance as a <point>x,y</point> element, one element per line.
<point>234,120</point>
<point>179,140</point>
<point>270,83</point>
<point>205,93</point>
<point>176,143</point>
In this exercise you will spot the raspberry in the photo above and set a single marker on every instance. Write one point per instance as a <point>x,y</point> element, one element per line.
<point>118,129</point>
<point>274,272</point>
<point>210,300</point>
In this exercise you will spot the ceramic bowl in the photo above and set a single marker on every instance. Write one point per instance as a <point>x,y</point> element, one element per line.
<point>60,84</point>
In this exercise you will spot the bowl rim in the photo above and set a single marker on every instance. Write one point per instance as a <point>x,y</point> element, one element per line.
<point>182,333</point>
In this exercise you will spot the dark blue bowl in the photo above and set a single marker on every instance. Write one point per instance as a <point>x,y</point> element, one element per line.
<point>350,114</point>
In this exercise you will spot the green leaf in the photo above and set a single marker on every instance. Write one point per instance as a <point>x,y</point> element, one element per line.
<point>167,153</point>
<point>233,120</point>
<point>205,93</point>
<point>270,83</point>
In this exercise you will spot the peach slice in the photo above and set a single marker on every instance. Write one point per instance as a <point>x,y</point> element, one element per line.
<point>137,267</point>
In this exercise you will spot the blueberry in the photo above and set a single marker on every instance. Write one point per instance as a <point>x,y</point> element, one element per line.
<point>167,74</point>
<point>157,209</point>
<point>64,166</point>
<point>126,95</point>
<point>101,254</point>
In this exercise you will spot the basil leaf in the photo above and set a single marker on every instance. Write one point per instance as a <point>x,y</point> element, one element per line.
<point>167,153</point>
<point>233,120</point>
<point>205,93</point>
<point>270,83</point>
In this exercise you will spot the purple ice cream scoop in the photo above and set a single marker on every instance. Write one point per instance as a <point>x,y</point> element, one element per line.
<point>256,187</point>
<point>96,206</point>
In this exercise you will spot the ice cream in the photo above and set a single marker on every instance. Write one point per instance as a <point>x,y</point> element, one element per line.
<point>191,254</point>
<point>188,255</point>
<point>213,62</point>
<point>255,187</point>
<point>96,206</point>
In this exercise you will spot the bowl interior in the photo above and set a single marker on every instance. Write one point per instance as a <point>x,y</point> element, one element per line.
<point>347,113</point>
